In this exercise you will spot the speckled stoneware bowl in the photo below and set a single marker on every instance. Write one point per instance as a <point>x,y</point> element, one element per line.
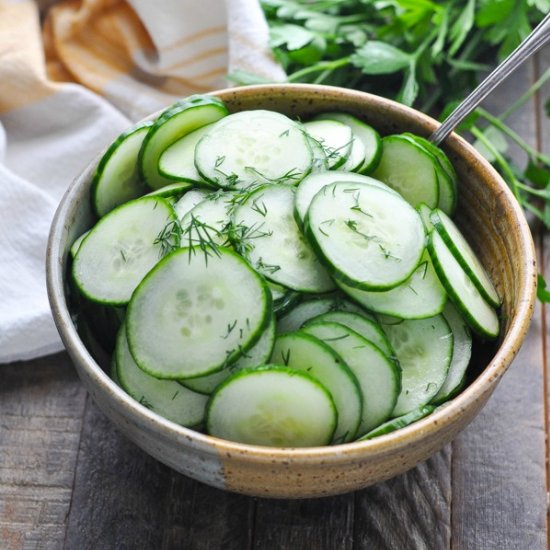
<point>492,221</point>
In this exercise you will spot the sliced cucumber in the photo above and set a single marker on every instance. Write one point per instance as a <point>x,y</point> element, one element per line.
<point>476,311</point>
<point>196,312</point>
<point>308,309</point>
<point>274,406</point>
<point>320,161</point>
<point>313,183</point>
<point>369,238</point>
<point>177,121</point>
<point>165,397</point>
<point>409,169</point>
<point>177,162</point>
<point>424,348</point>
<point>377,375</point>
<point>364,326</point>
<point>254,147</point>
<point>186,203</point>
<point>400,422</point>
<point>301,351</point>
<point>464,255</point>
<point>76,245</point>
<point>424,210</point>
<point>335,137</point>
<point>116,179</point>
<point>368,135</point>
<point>122,247</point>
<point>172,190</point>
<point>420,296</point>
<point>267,235</point>
<point>356,157</point>
<point>462,352</point>
<point>258,354</point>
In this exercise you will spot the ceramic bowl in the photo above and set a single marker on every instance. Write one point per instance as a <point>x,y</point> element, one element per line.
<point>492,221</point>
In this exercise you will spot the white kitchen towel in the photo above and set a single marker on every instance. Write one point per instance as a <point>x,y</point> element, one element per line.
<point>71,85</point>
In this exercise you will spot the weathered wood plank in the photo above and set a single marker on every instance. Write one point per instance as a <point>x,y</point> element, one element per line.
<point>306,524</point>
<point>41,407</point>
<point>499,485</point>
<point>125,499</point>
<point>409,511</point>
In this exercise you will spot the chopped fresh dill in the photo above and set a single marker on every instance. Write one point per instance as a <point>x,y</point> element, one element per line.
<point>286,357</point>
<point>335,338</point>
<point>230,327</point>
<point>169,238</point>
<point>261,209</point>
<point>143,401</point>
<point>268,268</point>
<point>425,265</point>
<point>387,253</point>
<point>124,259</point>
<point>219,161</point>
<point>285,133</point>
<point>175,395</point>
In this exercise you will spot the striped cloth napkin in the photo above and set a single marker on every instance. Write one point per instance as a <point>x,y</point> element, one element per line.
<point>73,75</point>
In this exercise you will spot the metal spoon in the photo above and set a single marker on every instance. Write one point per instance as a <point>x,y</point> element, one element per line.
<point>533,43</point>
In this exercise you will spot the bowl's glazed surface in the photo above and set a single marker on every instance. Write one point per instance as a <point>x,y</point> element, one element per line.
<point>492,221</point>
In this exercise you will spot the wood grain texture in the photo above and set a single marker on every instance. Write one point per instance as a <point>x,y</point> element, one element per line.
<point>41,407</point>
<point>125,499</point>
<point>499,485</point>
<point>410,511</point>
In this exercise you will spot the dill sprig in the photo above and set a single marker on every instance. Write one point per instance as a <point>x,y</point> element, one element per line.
<point>169,238</point>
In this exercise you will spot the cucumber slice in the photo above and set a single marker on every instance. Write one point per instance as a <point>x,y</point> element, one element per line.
<point>254,147</point>
<point>113,371</point>
<point>274,406</point>
<point>364,326</point>
<point>377,375</point>
<point>448,180</point>
<point>368,135</point>
<point>424,210</point>
<point>177,162</point>
<point>335,137</point>
<point>420,296</point>
<point>301,351</point>
<point>320,161</point>
<point>462,352</point>
<point>356,157</point>
<point>76,245</point>
<point>313,183</point>
<point>207,302</point>
<point>464,255</point>
<point>476,311</point>
<point>189,201</point>
<point>424,348</point>
<point>172,190</point>
<point>369,238</point>
<point>257,355</point>
<point>122,247</point>
<point>177,121</point>
<point>400,422</point>
<point>165,397</point>
<point>267,235</point>
<point>116,179</point>
<point>304,311</point>
<point>409,169</point>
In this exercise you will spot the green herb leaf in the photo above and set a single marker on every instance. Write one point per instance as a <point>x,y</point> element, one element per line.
<point>380,58</point>
<point>542,293</point>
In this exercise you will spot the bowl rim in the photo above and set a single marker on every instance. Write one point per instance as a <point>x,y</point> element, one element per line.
<point>443,417</point>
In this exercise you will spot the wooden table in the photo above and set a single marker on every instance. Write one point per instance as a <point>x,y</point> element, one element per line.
<point>69,479</point>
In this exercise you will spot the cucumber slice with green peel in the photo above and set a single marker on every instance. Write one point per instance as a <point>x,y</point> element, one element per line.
<point>172,190</point>
<point>76,245</point>
<point>424,348</point>
<point>364,326</point>
<point>186,203</point>
<point>308,309</point>
<point>313,183</point>
<point>253,147</point>
<point>377,375</point>
<point>462,352</point>
<point>113,371</point>
<point>365,133</point>
<point>165,397</point>
<point>266,234</point>
<point>420,296</point>
<point>274,406</point>
<point>424,211</point>
<point>177,162</point>
<point>177,121</point>
<point>207,302</point>
<point>400,422</point>
<point>409,169</point>
<point>477,312</point>
<point>335,137</point>
<point>320,161</point>
<point>116,179</point>
<point>258,354</point>
<point>368,237</point>
<point>356,157</point>
<point>464,255</point>
<point>122,247</point>
<point>301,351</point>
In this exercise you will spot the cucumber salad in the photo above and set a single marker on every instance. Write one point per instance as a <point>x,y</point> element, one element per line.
<point>279,282</point>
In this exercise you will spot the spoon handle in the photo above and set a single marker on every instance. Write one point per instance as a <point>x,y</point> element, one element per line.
<point>536,40</point>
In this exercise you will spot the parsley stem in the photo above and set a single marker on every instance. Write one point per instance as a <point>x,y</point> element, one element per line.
<point>527,95</point>
<point>326,66</point>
